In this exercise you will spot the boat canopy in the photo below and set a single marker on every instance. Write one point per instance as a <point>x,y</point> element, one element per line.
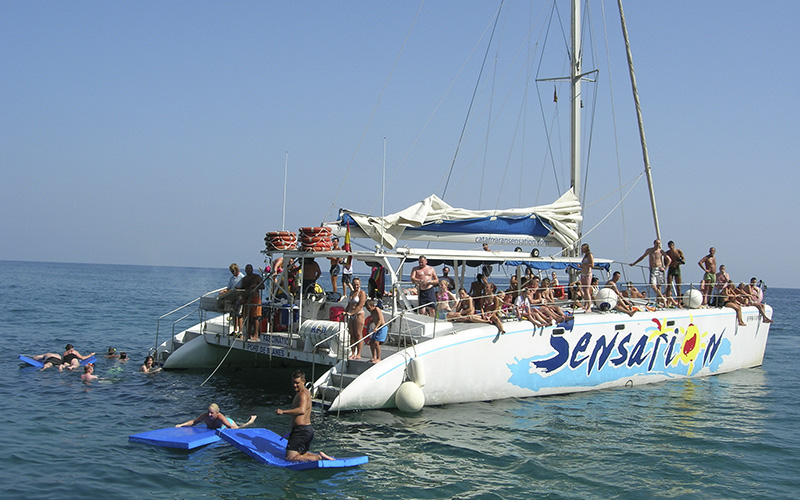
<point>434,220</point>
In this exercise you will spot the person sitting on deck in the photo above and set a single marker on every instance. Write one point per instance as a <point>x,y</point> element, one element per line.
<point>526,310</point>
<point>548,301</point>
<point>631,292</point>
<point>730,298</point>
<point>748,300</point>
<point>622,304</point>
<point>215,420</point>
<point>490,312</point>
<point>465,308</point>
<point>446,301</point>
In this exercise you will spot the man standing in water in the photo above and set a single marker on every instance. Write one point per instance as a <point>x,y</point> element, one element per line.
<point>302,433</point>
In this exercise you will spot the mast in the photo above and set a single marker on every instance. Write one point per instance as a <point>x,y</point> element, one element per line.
<point>639,119</point>
<point>575,101</point>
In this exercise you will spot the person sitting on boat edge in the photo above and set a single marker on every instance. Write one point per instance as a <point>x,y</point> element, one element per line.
<point>730,299</point>
<point>465,308</point>
<point>299,443</point>
<point>72,358</point>
<point>216,420</point>
<point>722,279</point>
<point>378,331</point>
<point>622,303</point>
<point>446,301</point>
<point>747,300</point>
<point>424,276</point>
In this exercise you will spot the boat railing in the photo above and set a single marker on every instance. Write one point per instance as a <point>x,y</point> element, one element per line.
<point>186,315</point>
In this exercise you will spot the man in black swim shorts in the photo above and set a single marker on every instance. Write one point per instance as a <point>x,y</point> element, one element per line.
<point>302,433</point>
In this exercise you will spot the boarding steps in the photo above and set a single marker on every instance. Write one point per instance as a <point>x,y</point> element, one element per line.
<point>327,392</point>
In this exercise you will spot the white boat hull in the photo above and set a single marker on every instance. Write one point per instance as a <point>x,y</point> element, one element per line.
<point>600,351</point>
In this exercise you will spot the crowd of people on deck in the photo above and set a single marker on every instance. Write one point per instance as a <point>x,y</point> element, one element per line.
<point>543,301</point>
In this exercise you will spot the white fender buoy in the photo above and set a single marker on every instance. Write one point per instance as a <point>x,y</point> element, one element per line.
<point>409,398</point>
<point>606,299</point>
<point>693,299</point>
<point>416,371</point>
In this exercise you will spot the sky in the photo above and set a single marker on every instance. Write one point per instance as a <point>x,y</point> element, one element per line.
<point>158,133</point>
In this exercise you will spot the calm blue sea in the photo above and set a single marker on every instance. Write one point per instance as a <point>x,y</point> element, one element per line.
<point>731,436</point>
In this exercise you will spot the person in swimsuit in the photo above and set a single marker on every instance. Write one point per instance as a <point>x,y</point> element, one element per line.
<point>72,358</point>
<point>149,366</point>
<point>379,330</point>
<point>302,432</point>
<point>446,301</point>
<point>424,276</point>
<point>355,312</point>
<point>465,308</point>
<point>677,259</point>
<point>215,420</point>
<point>88,373</point>
<point>335,265</point>
<point>658,260</point>
<point>709,266</point>
<point>587,263</point>
<point>50,359</point>
<point>252,284</point>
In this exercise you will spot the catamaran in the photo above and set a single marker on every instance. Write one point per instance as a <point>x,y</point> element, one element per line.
<point>434,360</point>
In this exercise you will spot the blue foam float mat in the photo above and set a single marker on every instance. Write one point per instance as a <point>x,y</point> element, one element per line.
<point>269,448</point>
<point>185,438</point>
<point>39,364</point>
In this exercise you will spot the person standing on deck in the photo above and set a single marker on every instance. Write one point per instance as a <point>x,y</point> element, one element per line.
<point>658,261</point>
<point>674,270</point>
<point>709,266</point>
<point>302,432</point>
<point>252,283</point>
<point>424,276</point>
<point>335,265</point>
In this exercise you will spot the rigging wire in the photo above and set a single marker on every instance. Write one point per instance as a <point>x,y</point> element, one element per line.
<point>472,101</point>
<point>372,114</point>
<point>616,133</point>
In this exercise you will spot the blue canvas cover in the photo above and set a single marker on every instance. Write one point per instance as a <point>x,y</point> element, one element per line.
<point>269,448</point>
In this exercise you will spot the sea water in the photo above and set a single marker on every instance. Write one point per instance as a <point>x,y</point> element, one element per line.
<point>729,436</point>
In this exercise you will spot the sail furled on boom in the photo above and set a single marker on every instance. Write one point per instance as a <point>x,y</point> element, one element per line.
<point>432,219</point>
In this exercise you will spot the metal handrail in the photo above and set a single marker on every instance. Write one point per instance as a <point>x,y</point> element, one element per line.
<point>158,322</point>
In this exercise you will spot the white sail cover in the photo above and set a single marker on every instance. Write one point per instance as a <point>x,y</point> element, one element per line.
<point>557,222</point>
